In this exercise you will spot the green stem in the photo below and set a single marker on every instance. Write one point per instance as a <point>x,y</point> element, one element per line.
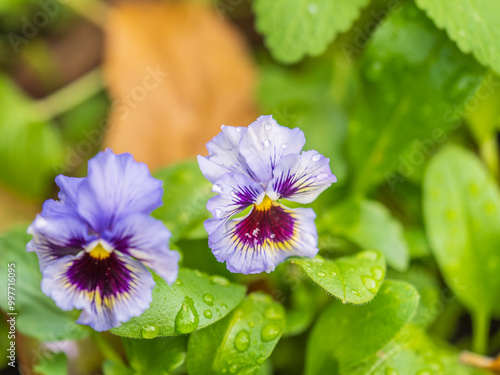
<point>489,153</point>
<point>70,96</point>
<point>107,350</point>
<point>480,332</point>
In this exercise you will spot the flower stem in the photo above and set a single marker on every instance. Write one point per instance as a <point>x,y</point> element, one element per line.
<point>480,332</point>
<point>70,96</point>
<point>107,350</point>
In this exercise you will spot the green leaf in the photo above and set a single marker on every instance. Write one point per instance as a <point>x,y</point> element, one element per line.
<point>156,356</point>
<point>54,364</point>
<point>347,335</point>
<point>241,342</point>
<point>295,28</point>
<point>31,151</point>
<point>110,367</point>
<point>432,302</point>
<point>354,279</point>
<point>462,217</point>
<point>413,352</point>
<point>38,316</point>
<point>472,24</point>
<point>185,197</point>
<point>194,301</point>
<point>411,78</point>
<point>370,225</point>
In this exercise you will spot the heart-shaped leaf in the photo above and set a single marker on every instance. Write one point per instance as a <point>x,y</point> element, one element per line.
<point>355,279</point>
<point>347,335</point>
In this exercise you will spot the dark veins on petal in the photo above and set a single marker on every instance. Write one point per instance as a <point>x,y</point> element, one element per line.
<point>287,185</point>
<point>109,275</point>
<point>274,224</point>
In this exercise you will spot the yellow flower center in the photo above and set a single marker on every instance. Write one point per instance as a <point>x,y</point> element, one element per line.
<point>265,205</point>
<point>99,252</point>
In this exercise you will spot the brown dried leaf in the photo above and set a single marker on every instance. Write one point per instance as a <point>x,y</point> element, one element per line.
<point>15,210</point>
<point>176,72</point>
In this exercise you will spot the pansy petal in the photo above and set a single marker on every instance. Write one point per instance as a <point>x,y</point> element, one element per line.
<point>109,291</point>
<point>223,155</point>
<point>56,238</point>
<point>264,238</point>
<point>117,186</point>
<point>66,205</point>
<point>236,192</point>
<point>301,178</point>
<point>146,239</point>
<point>265,143</point>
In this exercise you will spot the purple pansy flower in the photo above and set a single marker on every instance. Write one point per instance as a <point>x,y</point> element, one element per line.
<point>257,167</point>
<point>95,242</point>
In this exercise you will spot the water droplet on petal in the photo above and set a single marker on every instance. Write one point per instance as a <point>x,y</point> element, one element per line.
<point>219,280</point>
<point>270,332</point>
<point>242,340</point>
<point>321,177</point>
<point>208,299</point>
<point>187,319</point>
<point>268,127</point>
<point>267,143</point>
<point>316,157</point>
<point>208,314</point>
<point>284,145</point>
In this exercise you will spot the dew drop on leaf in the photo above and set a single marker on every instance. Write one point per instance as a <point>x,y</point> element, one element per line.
<point>187,319</point>
<point>270,332</point>
<point>208,299</point>
<point>261,360</point>
<point>369,255</point>
<point>219,280</point>
<point>377,273</point>
<point>242,340</point>
<point>208,314</point>
<point>370,283</point>
<point>149,332</point>
<point>273,313</point>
